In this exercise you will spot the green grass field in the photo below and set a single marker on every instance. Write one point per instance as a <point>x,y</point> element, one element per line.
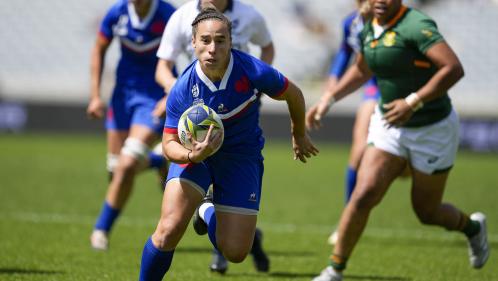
<point>52,187</point>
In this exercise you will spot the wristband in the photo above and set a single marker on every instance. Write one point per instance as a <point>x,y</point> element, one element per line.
<point>413,100</point>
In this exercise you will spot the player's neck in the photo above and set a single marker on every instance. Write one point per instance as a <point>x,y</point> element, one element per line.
<point>143,10</point>
<point>215,74</point>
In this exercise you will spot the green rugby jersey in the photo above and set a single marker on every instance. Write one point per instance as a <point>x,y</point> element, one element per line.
<point>397,59</point>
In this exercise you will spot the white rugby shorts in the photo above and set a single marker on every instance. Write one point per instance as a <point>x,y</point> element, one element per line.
<point>429,149</point>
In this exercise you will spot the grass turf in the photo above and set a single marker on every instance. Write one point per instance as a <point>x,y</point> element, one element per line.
<point>52,188</point>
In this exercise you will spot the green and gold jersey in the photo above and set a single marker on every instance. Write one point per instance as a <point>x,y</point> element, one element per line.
<point>397,58</point>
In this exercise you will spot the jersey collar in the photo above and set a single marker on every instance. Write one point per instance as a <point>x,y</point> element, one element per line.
<point>135,20</point>
<point>394,20</point>
<point>209,83</point>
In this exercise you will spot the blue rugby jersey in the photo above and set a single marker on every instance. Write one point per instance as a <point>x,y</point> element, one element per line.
<point>351,28</point>
<point>139,40</point>
<point>233,98</point>
<point>352,25</point>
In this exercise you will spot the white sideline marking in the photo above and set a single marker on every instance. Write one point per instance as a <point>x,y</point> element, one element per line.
<point>387,233</point>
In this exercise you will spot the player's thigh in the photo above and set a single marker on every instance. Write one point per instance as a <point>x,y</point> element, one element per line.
<point>377,171</point>
<point>180,199</point>
<point>235,232</point>
<point>237,183</point>
<point>115,140</point>
<point>427,190</point>
<point>144,125</point>
<point>144,134</point>
<point>360,132</point>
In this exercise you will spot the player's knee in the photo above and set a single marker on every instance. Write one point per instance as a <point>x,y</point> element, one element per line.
<point>234,255</point>
<point>234,251</point>
<point>112,162</point>
<point>365,198</point>
<point>167,234</point>
<point>137,152</point>
<point>426,216</point>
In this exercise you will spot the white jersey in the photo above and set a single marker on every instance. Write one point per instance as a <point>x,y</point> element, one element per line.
<point>248,26</point>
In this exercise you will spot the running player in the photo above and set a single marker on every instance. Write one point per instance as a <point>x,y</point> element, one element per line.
<point>414,124</point>
<point>228,81</point>
<point>249,27</point>
<point>131,126</point>
<point>350,45</point>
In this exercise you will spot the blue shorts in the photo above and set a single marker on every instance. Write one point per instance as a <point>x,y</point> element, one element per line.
<point>129,107</point>
<point>371,91</point>
<point>236,181</point>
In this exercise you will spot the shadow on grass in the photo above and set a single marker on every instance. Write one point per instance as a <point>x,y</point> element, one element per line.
<point>280,274</point>
<point>10,271</point>
<point>270,253</point>
<point>370,277</point>
<point>193,250</point>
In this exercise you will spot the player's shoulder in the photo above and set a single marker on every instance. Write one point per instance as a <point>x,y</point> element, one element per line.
<point>190,7</point>
<point>243,58</point>
<point>166,6</point>
<point>414,21</point>
<point>186,13</point>
<point>245,9</point>
<point>416,17</point>
<point>118,7</point>
<point>187,74</point>
<point>350,18</point>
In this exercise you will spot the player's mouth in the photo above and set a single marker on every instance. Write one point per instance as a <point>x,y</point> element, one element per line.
<point>380,9</point>
<point>211,61</point>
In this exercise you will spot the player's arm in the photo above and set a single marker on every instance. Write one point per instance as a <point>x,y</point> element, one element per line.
<point>174,151</point>
<point>166,79</point>
<point>302,145</point>
<point>449,71</point>
<point>356,75</point>
<point>267,53</point>
<point>164,74</point>
<point>96,106</point>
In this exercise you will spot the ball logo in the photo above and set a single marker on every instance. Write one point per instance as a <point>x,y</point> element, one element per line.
<point>195,91</point>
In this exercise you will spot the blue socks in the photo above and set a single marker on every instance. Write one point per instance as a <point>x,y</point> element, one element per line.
<point>156,160</point>
<point>106,218</point>
<point>155,263</point>
<point>210,219</point>
<point>350,183</point>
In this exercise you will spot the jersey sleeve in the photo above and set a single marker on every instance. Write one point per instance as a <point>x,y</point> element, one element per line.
<point>341,60</point>
<point>261,35</point>
<point>107,24</point>
<point>425,34</point>
<point>264,77</point>
<point>174,110</point>
<point>171,41</point>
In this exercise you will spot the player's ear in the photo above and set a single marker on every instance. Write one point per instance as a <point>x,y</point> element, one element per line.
<point>193,41</point>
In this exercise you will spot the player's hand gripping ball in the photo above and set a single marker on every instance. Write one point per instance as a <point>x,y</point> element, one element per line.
<point>196,121</point>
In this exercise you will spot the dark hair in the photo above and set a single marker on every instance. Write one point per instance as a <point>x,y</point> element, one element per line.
<point>210,12</point>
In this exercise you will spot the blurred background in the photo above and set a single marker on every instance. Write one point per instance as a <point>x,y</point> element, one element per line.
<point>45,53</point>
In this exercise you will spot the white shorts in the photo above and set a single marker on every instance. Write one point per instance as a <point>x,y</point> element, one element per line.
<point>429,149</point>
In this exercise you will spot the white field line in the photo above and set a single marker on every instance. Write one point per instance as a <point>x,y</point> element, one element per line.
<point>421,233</point>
